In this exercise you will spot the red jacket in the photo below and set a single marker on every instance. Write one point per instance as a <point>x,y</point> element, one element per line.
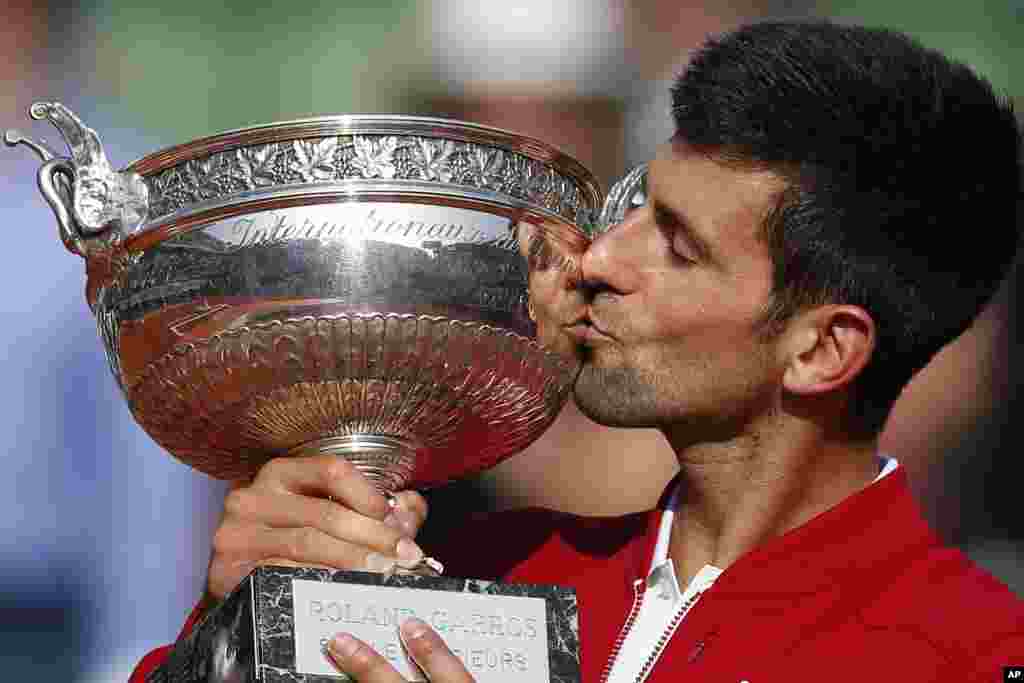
<point>863,592</point>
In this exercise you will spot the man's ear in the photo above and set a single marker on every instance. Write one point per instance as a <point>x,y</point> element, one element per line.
<point>826,347</point>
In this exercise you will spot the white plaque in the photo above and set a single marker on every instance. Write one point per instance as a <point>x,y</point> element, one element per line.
<point>499,638</point>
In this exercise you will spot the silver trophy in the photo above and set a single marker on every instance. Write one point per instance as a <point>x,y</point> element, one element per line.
<point>350,285</point>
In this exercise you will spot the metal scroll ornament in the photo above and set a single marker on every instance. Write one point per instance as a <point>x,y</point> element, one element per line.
<point>349,285</point>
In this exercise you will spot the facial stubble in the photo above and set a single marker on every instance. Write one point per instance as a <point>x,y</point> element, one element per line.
<point>697,393</point>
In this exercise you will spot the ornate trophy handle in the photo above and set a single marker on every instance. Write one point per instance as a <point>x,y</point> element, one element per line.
<point>96,207</point>
<point>628,193</point>
<point>55,179</point>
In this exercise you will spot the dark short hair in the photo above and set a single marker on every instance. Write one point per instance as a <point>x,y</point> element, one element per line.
<point>903,172</point>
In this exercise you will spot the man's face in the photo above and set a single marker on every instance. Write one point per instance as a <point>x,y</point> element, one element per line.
<point>672,337</point>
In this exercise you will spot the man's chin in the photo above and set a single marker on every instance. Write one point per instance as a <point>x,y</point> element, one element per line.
<point>607,400</point>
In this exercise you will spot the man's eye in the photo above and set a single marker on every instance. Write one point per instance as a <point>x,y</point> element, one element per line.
<point>663,218</point>
<point>683,249</point>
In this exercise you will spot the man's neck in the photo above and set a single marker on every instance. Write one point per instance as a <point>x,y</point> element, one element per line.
<point>735,496</point>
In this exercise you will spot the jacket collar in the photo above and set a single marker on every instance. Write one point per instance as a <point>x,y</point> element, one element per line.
<point>870,533</point>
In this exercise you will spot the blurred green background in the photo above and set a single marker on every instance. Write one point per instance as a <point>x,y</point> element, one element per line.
<point>188,68</point>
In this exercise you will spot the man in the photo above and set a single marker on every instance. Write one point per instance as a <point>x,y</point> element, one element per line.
<point>803,251</point>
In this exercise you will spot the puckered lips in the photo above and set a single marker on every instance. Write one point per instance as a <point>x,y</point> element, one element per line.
<point>588,331</point>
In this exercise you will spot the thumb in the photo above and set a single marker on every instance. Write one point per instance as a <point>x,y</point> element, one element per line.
<point>408,514</point>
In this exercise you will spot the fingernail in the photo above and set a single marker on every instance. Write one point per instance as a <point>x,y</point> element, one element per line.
<point>401,519</point>
<point>343,645</point>
<point>375,562</point>
<point>412,628</point>
<point>408,551</point>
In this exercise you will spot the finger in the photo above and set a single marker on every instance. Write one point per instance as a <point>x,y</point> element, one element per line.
<point>242,567</point>
<point>431,654</point>
<point>226,573</point>
<point>408,514</point>
<point>325,476</point>
<point>307,545</point>
<point>375,562</point>
<point>286,510</point>
<point>362,662</point>
<point>282,562</point>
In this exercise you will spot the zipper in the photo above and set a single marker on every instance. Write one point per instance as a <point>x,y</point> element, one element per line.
<point>659,646</point>
<point>666,636</point>
<point>634,612</point>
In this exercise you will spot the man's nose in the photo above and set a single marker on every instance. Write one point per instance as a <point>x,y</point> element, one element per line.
<point>613,259</point>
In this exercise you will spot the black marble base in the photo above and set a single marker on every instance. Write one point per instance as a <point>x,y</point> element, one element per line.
<point>251,637</point>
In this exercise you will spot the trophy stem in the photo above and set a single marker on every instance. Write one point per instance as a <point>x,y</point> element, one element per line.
<point>387,461</point>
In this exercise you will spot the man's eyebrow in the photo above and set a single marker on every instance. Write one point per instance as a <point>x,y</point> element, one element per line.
<point>682,224</point>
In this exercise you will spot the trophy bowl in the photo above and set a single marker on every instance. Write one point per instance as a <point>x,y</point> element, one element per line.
<point>350,285</point>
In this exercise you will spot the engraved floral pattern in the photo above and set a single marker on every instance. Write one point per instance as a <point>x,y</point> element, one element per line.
<point>487,168</point>
<point>256,163</point>
<point>390,157</point>
<point>536,180</point>
<point>217,176</point>
<point>315,158</point>
<point>431,158</point>
<point>375,159</point>
<point>170,191</point>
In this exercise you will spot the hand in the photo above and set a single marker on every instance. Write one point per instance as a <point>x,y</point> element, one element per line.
<point>432,656</point>
<point>312,511</point>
